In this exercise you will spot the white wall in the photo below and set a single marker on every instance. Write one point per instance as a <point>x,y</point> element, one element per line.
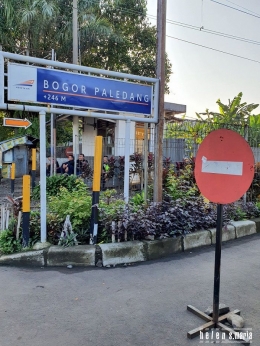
<point>120,138</point>
<point>88,137</point>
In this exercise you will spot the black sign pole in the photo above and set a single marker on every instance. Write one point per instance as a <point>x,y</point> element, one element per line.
<point>217,264</point>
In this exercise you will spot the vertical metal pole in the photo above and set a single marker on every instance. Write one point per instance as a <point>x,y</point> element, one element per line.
<point>158,164</point>
<point>145,161</point>
<point>54,142</point>
<point>127,160</point>
<point>42,115</point>
<point>246,138</point>
<point>96,189</point>
<point>217,263</point>
<point>26,209</point>
<point>33,167</point>
<point>75,141</point>
<point>12,178</point>
<point>52,169</point>
<point>53,164</point>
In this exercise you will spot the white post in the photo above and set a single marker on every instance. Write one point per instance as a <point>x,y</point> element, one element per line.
<point>42,115</point>
<point>53,164</point>
<point>145,162</point>
<point>127,160</point>
<point>75,140</point>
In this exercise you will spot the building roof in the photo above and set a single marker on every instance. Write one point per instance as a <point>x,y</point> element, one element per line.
<point>172,109</point>
<point>15,141</point>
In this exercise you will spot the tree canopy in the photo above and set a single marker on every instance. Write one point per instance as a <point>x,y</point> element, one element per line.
<point>113,34</point>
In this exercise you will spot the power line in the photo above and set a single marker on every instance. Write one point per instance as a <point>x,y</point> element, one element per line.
<point>217,33</point>
<point>216,50</point>
<point>213,32</point>
<point>236,9</point>
<point>243,7</point>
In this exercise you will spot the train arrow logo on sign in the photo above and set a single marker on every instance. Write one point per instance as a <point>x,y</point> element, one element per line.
<point>224,166</point>
<point>12,122</point>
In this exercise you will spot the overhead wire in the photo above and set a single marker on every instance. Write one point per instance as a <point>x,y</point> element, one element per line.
<point>213,32</point>
<point>203,30</point>
<point>242,7</point>
<point>236,9</point>
<point>217,50</point>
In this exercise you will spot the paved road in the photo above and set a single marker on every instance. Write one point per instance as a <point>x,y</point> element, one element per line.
<point>127,306</point>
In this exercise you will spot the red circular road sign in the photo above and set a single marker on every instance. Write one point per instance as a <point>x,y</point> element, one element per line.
<point>224,166</point>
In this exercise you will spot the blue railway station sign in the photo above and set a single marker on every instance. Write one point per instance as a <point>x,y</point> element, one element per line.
<point>41,85</point>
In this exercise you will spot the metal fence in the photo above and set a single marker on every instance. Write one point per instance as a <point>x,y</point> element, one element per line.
<point>181,141</point>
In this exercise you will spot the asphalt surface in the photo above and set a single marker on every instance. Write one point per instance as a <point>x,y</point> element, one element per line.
<point>141,304</point>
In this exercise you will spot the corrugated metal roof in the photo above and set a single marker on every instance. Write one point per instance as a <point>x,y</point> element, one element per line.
<point>12,142</point>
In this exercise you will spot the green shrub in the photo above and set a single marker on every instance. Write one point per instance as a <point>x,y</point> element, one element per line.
<point>54,227</point>
<point>182,185</point>
<point>8,243</point>
<point>138,199</point>
<point>77,204</point>
<point>108,213</point>
<point>54,184</point>
<point>35,227</point>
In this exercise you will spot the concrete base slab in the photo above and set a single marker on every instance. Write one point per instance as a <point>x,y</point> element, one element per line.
<point>244,228</point>
<point>31,258</point>
<point>81,255</point>
<point>161,248</point>
<point>257,223</point>
<point>228,233</point>
<point>40,246</point>
<point>196,239</point>
<point>120,253</point>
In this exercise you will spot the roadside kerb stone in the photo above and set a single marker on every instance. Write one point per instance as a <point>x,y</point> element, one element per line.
<point>196,239</point>
<point>257,224</point>
<point>244,228</point>
<point>228,233</point>
<point>81,256</point>
<point>156,249</point>
<point>121,253</point>
<point>31,258</point>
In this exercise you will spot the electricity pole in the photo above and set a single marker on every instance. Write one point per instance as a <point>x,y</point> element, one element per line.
<point>160,74</point>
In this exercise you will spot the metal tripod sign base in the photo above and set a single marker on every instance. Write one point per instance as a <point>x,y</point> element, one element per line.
<point>216,321</point>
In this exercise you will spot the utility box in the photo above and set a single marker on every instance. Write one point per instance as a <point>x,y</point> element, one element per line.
<point>16,150</point>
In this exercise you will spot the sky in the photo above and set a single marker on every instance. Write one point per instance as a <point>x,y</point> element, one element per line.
<point>202,76</point>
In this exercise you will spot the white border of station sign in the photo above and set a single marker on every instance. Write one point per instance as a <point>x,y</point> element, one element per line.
<point>51,86</point>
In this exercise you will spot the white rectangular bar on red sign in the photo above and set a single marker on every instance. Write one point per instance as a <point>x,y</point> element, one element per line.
<point>221,167</point>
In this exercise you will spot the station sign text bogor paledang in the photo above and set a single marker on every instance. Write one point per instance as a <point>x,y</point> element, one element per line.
<point>42,85</point>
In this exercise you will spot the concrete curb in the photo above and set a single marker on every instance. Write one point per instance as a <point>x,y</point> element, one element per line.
<point>128,252</point>
<point>28,258</point>
<point>121,253</point>
<point>81,256</point>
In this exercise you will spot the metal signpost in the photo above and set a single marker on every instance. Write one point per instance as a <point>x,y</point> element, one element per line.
<point>224,170</point>
<point>86,93</point>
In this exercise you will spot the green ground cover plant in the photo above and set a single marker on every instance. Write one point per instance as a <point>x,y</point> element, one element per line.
<point>56,182</point>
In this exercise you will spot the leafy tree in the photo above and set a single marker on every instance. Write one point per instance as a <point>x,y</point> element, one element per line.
<point>5,132</point>
<point>235,116</point>
<point>113,35</point>
<point>234,112</point>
